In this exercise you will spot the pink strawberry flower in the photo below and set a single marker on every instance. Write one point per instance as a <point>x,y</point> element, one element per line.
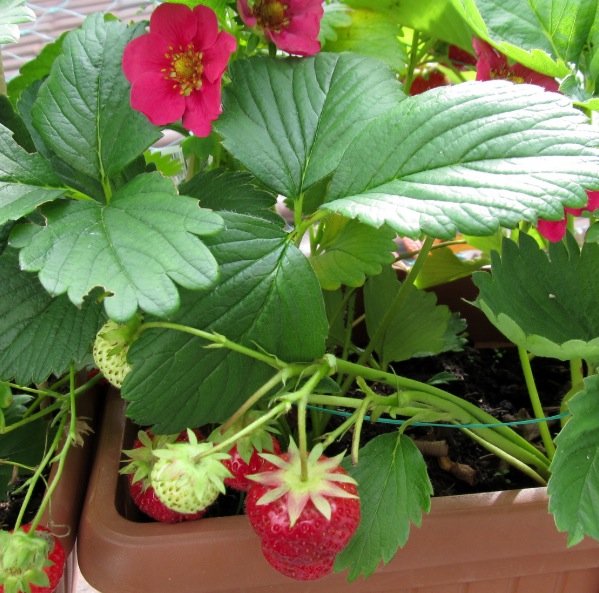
<point>491,64</point>
<point>292,25</point>
<point>175,69</point>
<point>554,230</point>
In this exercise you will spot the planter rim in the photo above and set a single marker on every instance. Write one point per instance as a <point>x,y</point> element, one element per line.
<point>471,527</point>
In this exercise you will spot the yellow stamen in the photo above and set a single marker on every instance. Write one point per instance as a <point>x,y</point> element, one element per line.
<point>185,69</point>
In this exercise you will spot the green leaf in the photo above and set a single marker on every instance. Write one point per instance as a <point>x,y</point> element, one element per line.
<point>136,248</point>
<point>35,69</point>
<point>371,34</point>
<point>26,180</point>
<point>83,112</point>
<point>336,16</point>
<point>40,336</point>
<point>468,158</point>
<point>437,19</point>
<point>348,251</point>
<point>10,119</point>
<point>417,327</point>
<point>13,12</point>
<point>233,191</point>
<point>544,35</point>
<point>302,114</point>
<point>394,490</point>
<point>574,484</point>
<point>535,298</point>
<point>23,445</point>
<point>263,300</point>
<point>443,265</point>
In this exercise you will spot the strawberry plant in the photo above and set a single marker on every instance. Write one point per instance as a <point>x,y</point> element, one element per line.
<point>326,186</point>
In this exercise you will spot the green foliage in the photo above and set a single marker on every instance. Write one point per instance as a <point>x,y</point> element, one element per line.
<point>82,112</point>
<point>574,484</point>
<point>24,445</point>
<point>535,298</point>
<point>372,34</point>
<point>13,12</point>
<point>394,490</point>
<point>266,293</point>
<point>348,251</point>
<point>302,114</point>
<point>232,191</point>
<point>468,158</point>
<point>544,35</point>
<point>415,326</point>
<point>40,336</point>
<point>136,248</point>
<point>26,180</point>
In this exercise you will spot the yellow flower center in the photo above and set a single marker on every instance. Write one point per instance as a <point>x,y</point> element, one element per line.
<point>185,69</point>
<point>271,14</point>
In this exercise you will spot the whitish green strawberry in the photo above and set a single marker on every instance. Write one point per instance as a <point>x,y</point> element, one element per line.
<point>187,477</point>
<point>111,347</point>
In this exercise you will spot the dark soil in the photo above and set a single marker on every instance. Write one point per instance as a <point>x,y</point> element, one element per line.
<point>9,509</point>
<point>490,378</point>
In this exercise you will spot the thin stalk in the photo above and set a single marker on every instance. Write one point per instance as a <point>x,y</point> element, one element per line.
<point>390,312</point>
<point>414,56</point>
<point>302,438</point>
<point>525,469</point>
<point>500,435</point>
<point>535,401</point>
<point>254,399</point>
<point>218,341</point>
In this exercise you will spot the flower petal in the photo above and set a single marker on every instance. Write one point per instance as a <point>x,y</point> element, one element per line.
<point>245,13</point>
<point>295,44</point>
<point>156,98</point>
<point>206,27</point>
<point>489,61</point>
<point>216,57</point>
<point>553,230</point>
<point>144,54</point>
<point>201,109</point>
<point>533,77</point>
<point>174,22</point>
<point>593,202</point>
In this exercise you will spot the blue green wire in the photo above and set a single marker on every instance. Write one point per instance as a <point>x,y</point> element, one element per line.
<point>445,424</point>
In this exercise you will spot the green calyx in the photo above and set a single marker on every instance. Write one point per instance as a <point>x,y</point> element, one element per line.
<point>322,481</point>
<point>186,477</point>
<point>23,558</point>
<point>142,459</point>
<point>259,440</point>
<point>110,349</point>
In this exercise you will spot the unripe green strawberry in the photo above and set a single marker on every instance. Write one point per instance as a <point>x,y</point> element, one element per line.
<point>111,347</point>
<point>187,477</point>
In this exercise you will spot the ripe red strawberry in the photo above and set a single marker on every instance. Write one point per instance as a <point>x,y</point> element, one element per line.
<point>303,523</point>
<point>138,472</point>
<point>33,562</point>
<point>246,460</point>
<point>300,571</point>
<point>428,81</point>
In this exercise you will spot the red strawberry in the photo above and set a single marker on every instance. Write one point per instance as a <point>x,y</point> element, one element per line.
<point>138,473</point>
<point>32,563</point>
<point>245,454</point>
<point>428,81</point>
<point>303,522</point>
<point>306,571</point>
<point>246,460</point>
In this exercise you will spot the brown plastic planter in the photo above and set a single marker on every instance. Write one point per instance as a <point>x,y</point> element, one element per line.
<point>64,511</point>
<point>501,542</point>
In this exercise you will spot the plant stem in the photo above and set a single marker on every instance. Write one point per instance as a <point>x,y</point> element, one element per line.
<point>461,410</point>
<point>412,63</point>
<point>390,312</point>
<point>255,398</point>
<point>218,341</point>
<point>535,401</point>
